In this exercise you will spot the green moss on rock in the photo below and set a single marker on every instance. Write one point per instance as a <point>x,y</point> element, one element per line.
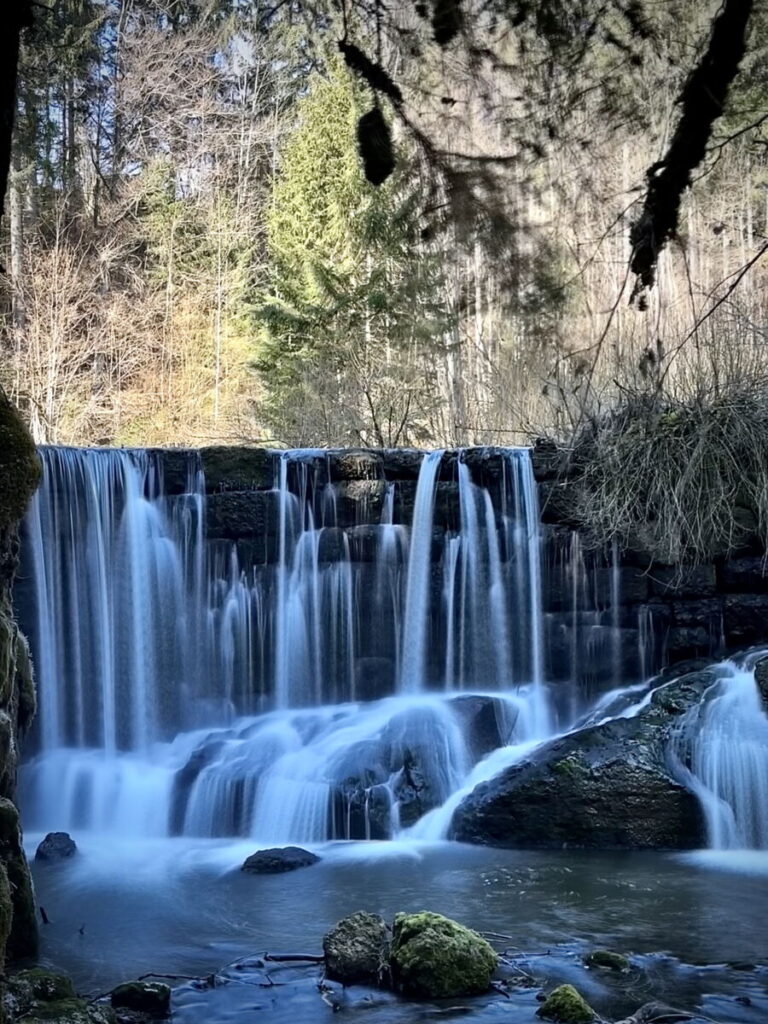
<point>434,957</point>
<point>357,949</point>
<point>149,997</point>
<point>69,1011</point>
<point>607,959</point>
<point>39,985</point>
<point>25,683</point>
<point>566,1005</point>
<point>19,465</point>
<point>22,941</point>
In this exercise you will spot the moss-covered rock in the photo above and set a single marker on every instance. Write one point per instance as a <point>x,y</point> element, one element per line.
<point>434,957</point>
<point>607,959</point>
<point>39,985</point>
<point>25,684</point>
<point>69,1011</point>
<point>357,949</point>
<point>19,465</point>
<point>152,998</point>
<point>566,1005</point>
<point>22,940</point>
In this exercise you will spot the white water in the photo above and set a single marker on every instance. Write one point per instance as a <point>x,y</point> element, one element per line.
<point>722,752</point>
<point>186,688</point>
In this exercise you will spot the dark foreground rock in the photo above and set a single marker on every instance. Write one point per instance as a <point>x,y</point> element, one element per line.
<point>279,859</point>
<point>56,846</point>
<point>357,950</point>
<point>605,787</point>
<point>436,958</point>
<point>151,998</point>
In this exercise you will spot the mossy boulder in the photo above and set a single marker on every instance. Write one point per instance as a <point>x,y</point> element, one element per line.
<point>22,940</point>
<point>607,960</point>
<point>433,957</point>
<point>37,985</point>
<point>151,998</point>
<point>19,465</point>
<point>566,1005</point>
<point>69,1011</point>
<point>357,949</point>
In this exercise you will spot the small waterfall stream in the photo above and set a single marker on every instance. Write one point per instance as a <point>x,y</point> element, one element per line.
<point>354,682</point>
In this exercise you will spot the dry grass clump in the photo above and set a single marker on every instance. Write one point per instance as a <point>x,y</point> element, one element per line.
<point>684,479</point>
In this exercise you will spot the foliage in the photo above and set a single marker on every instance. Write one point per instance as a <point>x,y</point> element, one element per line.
<point>685,480</point>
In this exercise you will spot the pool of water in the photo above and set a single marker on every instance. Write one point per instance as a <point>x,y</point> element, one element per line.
<point>694,926</point>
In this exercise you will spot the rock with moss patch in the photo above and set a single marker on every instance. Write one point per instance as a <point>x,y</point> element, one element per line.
<point>19,465</point>
<point>39,985</point>
<point>69,1011</point>
<point>22,940</point>
<point>565,1005</point>
<point>434,957</point>
<point>607,959</point>
<point>151,998</point>
<point>357,949</point>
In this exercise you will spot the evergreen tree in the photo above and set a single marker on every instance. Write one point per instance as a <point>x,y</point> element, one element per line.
<point>354,314</point>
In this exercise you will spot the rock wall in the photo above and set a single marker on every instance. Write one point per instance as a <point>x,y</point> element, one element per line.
<point>19,474</point>
<point>606,613</point>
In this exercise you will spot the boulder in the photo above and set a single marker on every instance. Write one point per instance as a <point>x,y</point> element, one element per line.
<point>37,985</point>
<point>151,998</point>
<point>607,786</point>
<point>607,960</point>
<point>357,949</point>
<point>279,859</point>
<point>433,957</point>
<point>487,721</point>
<point>566,1005</point>
<point>56,846</point>
<point>351,464</point>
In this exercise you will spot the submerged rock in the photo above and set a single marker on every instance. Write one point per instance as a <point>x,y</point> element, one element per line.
<point>607,959</point>
<point>56,846</point>
<point>357,949</point>
<point>279,859</point>
<point>151,998</point>
<point>434,957</point>
<point>566,1005</point>
<point>608,786</point>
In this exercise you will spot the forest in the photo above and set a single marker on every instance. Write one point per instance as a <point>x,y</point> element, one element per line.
<point>194,254</point>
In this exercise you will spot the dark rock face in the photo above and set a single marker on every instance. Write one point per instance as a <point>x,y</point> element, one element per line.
<point>761,678</point>
<point>357,949</point>
<point>240,515</point>
<point>151,998</point>
<point>56,846</point>
<point>278,860</point>
<point>238,469</point>
<point>605,787</point>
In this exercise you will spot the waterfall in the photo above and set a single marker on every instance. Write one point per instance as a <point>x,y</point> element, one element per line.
<point>321,656</point>
<point>721,752</point>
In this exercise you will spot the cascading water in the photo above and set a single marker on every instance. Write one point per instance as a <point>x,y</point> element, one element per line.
<point>721,753</point>
<point>353,678</point>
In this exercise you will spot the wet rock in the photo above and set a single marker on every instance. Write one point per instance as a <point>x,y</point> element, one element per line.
<point>434,957</point>
<point>630,584</point>
<point>151,998</point>
<point>357,950</point>
<point>360,501</point>
<point>605,787</point>
<point>402,463</point>
<point>688,642</point>
<point>549,461</point>
<point>487,722</point>
<point>56,846</point>
<point>240,515</point>
<point>761,678</point>
<point>279,859</point>
<point>745,575</point>
<point>746,619</point>
<point>566,1005</point>
<point>238,469</point>
<point>683,581</point>
<point>19,896</point>
<point>69,1011</point>
<point>374,678</point>
<point>185,778</point>
<point>349,464</point>
<point>655,1011</point>
<point>607,959</point>
<point>174,465</point>
<point>558,502</point>
<point>447,511</point>
<point>37,985</point>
